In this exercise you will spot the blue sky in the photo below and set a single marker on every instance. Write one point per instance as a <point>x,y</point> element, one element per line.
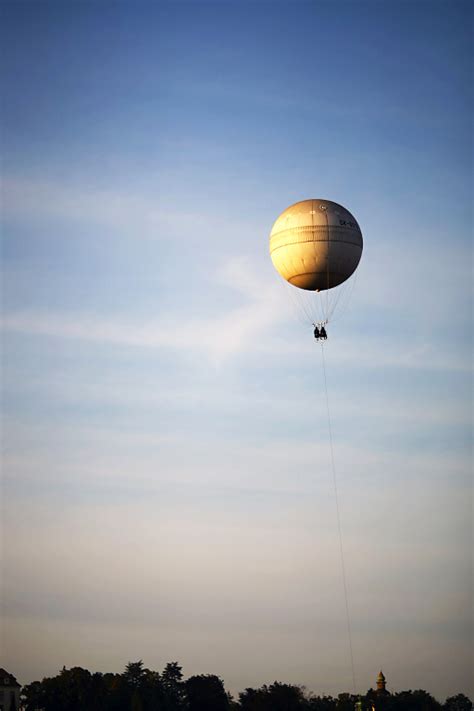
<point>166,480</point>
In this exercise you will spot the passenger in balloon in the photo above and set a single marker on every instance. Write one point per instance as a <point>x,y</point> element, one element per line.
<point>320,333</point>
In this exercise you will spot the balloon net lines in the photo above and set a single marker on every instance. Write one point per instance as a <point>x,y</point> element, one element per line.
<point>312,307</point>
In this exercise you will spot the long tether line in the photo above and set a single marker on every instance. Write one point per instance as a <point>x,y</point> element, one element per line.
<point>334,478</point>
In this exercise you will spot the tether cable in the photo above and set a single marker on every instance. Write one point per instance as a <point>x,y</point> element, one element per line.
<point>341,548</point>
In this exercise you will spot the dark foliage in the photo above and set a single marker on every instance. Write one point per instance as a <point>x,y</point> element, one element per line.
<point>322,703</point>
<point>458,703</point>
<point>140,689</point>
<point>277,697</point>
<point>206,693</point>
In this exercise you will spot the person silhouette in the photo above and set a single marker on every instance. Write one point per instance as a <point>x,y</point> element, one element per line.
<point>317,334</point>
<point>323,334</point>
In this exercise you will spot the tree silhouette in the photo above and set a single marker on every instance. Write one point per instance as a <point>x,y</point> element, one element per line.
<point>206,693</point>
<point>136,702</point>
<point>322,703</point>
<point>458,703</point>
<point>418,700</point>
<point>254,699</point>
<point>277,697</point>
<point>134,674</point>
<point>174,691</point>
<point>140,689</point>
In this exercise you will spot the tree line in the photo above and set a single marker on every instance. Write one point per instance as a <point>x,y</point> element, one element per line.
<point>140,689</point>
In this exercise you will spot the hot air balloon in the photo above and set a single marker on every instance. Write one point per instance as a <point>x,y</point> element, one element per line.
<point>316,245</point>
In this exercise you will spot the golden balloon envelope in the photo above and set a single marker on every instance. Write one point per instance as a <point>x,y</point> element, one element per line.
<point>316,244</point>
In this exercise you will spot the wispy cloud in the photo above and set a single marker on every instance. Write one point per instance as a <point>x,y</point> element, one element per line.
<point>249,328</point>
<point>144,213</point>
<point>419,332</point>
<point>218,336</point>
<point>27,199</point>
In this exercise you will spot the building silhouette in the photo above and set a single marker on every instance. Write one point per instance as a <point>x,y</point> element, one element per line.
<point>381,684</point>
<point>9,692</point>
<point>380,692</point>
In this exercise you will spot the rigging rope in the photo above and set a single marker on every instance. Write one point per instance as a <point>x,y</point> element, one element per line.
<point>312,307</point>
<point>341,548</point>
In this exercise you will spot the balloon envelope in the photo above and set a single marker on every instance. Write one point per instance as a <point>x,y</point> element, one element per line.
<point>316,244</point>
